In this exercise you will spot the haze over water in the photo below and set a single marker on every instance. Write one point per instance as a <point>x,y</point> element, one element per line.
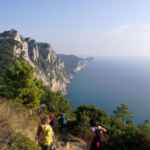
<point>108,82</point>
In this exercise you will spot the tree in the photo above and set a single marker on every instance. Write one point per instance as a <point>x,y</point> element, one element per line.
<point>122,113</point>
<point>56,102</point>
<point>86,113</point>
<point>19,82</point>
<point>87,116</point>
<point>145,129</point>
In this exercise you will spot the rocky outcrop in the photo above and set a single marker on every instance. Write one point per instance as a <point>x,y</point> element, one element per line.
<point>54,70</point>
<point>49,67</point>
<point>74,64</point>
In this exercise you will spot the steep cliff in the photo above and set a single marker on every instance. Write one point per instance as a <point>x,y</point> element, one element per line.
<point>48,66</point>
<point>74,64</point>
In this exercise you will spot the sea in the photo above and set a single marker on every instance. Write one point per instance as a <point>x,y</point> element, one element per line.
<point>108,82</point>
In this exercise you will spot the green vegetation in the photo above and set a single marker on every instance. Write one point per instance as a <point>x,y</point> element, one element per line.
<point>85,115</point>
<point>122,134</point>
<point>17,126</point>
<point>19,84</point>
<point>20,142</point>
<point>121,113</point>
<point>56,103</point>
<point>7,55</point>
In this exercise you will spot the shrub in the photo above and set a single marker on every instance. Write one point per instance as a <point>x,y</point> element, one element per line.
<point>57,103</point>
<point>20,142</point>
<point>87,113</point>
<point>18,82</point>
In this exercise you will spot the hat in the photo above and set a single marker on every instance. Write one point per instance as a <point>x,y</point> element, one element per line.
<point>42,105</point>
<point>99,127</point>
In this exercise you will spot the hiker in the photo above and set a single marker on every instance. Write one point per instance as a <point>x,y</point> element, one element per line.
<point>63,127</point>
<point>52,120</point>
<point>45,135</point>
<point>63,122</point>
<point>97,140</point>
<point>41,111</point>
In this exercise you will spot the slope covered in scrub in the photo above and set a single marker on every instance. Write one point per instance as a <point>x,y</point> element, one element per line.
<point>17,126</point>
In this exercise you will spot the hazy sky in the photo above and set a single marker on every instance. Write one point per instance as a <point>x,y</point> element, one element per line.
<point>82,27</point>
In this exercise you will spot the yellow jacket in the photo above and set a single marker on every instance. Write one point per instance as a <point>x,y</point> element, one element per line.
<point>47,134</point>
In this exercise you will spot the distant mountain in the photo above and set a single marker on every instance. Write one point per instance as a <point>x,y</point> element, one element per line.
<point>54,70</point>
<point>74,63</point>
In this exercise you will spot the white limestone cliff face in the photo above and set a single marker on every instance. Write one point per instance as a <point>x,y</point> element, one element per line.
<point>49,68</point>
<point>54,70</point>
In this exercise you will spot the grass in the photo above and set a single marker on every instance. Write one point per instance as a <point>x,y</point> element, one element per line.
<point>16,121</point>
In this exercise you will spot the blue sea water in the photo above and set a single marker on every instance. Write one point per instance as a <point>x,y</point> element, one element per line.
<point>108,82</point>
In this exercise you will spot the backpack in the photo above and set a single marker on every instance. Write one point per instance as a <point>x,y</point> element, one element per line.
<point>40,135</point>
<point>62,121</point>
<point>98,141</point>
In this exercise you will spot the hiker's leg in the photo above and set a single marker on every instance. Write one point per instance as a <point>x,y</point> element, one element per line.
<point>52,147</point>
<point>45,147</point>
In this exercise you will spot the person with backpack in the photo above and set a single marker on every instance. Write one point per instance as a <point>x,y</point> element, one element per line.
<point>41,111</point>
<point>62,122</point>
<point>45,135</point>
<point>52,120</point>
<point>63,127</point>
<point>97,140</point>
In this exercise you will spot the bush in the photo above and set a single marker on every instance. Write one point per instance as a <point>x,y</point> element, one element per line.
<point>18,82</point>
<point>87,116</point>
<point>20,142</point>
<point>57,103</point>
<point>87,113</point>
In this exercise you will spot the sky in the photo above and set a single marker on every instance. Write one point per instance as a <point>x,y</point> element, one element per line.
<point>82,27</point>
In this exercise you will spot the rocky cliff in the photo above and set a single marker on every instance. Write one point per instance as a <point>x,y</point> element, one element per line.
<point>49,67</point>
<point>55,70</point>
<point>74,64</point>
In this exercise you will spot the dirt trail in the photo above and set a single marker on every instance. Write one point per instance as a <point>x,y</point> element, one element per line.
<point>73,144</point>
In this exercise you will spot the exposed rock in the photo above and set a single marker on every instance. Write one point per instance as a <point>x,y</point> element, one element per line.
<point>49,68</point>
<point>54,70</point>
<point>74,64</point>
